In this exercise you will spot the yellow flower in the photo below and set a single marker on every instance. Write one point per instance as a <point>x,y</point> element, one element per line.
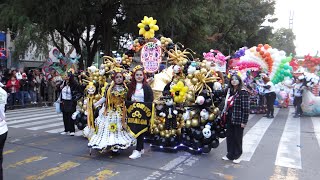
<point>179,92</point>
<point>148,27</point>
<point>112,127</point>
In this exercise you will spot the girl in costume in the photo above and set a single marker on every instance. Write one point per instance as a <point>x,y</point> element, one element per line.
<point>110,133</point>
<point>140,91</point>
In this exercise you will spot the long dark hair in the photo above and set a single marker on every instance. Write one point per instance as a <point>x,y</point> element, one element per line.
<point>133,84</point>
<point>240,83</point>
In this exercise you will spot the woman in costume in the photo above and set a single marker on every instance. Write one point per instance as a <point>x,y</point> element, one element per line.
<point>140,91</point>
<point>110,133</point>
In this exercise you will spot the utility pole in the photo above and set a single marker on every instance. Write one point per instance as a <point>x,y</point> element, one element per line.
<point>291,19</point>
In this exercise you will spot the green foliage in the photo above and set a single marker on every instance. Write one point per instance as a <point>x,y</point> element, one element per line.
<point>91,25</point>
<point>284,39</point>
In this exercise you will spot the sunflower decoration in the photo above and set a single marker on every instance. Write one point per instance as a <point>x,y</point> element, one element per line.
<point>179,92</point>
<point>148,27</point>
<point>113,127</point>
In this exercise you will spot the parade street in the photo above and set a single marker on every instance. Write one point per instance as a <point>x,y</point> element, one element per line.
<point>279,148</point>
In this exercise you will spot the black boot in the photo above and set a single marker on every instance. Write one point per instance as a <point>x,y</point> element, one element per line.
<point>271,114</point>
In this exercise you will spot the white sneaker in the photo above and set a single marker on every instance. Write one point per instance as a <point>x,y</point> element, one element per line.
<point>64,133</point>
<point>142,151</point>
<point>72,134</point>
<point>135,154</point>
<point>237,161</point>
<point>225,158</point>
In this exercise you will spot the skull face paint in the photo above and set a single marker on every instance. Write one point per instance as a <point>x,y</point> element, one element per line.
<point>151,56</point>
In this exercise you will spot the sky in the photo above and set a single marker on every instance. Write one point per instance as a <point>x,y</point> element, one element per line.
<point>306,23</point>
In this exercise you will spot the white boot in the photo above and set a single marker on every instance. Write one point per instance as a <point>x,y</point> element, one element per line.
<point>135,154</point>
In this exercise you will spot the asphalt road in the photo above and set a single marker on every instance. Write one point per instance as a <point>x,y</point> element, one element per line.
<point>279,148</point>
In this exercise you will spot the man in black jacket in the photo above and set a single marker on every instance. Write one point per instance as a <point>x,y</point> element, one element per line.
<point>24,89</point>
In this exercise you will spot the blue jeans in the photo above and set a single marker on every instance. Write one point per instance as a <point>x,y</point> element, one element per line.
<point>12,98</point>
<point>33,96</point>
<point>24,96</point>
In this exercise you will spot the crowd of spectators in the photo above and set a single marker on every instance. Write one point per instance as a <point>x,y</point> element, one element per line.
<point>30,86</point>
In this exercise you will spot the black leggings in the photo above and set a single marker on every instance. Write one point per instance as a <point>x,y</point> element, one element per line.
<point>234,141</point>
<point>297,103</point>
<point>68,122</point>
<point>3,138</point>
<point>140,141</point>
<point>271,97</point>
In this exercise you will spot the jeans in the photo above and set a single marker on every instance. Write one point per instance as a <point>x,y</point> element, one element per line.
<point>12,98</point>
<point>24,96</point>
<point>33,96</point>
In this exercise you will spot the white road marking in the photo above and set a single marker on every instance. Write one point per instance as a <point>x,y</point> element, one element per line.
<point>253,137</point>
<point>55,130</point>
<point>289,152</point>
<point>36,123</point>
<point>316,127</point>
<point>45,126</point>
<point>32,119</point>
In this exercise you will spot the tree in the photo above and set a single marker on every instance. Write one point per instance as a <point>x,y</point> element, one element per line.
<point>284,39</point>
<point>91,25</point>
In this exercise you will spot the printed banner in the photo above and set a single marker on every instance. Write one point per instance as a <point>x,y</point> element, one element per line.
<point>139,115</point>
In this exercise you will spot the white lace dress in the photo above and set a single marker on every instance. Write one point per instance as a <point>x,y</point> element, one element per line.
<point>110,134</point>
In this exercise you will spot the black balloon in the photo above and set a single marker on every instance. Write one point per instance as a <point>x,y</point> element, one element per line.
<point>156,140</point>
<point>173,141</point>
<point>207,140</point>
<point>197,134</point>
<point>206,148</point>
<point>196,144</point>
<point>163,141</point>
<point>215,143</point>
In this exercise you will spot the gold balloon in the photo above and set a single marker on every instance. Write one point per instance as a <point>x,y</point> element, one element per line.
<point>196,72</point>
<point>106,68</point>
<point>184,62</point>
<point>194,122</point>
<point>80,103</point>
<point>94,101</point>
<point>91,79</point>
<point>95,78</point>
<point>162,133</point>
<point>160,127</point>
<point>124,62</point>
<point>205,61</point>
<point>193,113</point>
<point>84,107</point>
<point>190,76</point>
<point>173,132</point>
<point>203,120</point>
<point>203,71</point>
<point>167,135</point>
<point>156,131</point>
<point>202,65</point>
<point>179,131</point>
<point>212,116</point>
<point>216,111</point>
<point>97,96</point>
<point>188,124</point>
<point>190,97</point>
<point>194,81</point>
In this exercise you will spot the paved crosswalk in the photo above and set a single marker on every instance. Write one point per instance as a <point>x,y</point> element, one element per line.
<point>287,146</point>
<point>36,119</point>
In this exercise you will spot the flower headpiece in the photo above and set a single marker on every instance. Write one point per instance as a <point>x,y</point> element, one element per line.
<point>234,72</point>
<point>138,67</point>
